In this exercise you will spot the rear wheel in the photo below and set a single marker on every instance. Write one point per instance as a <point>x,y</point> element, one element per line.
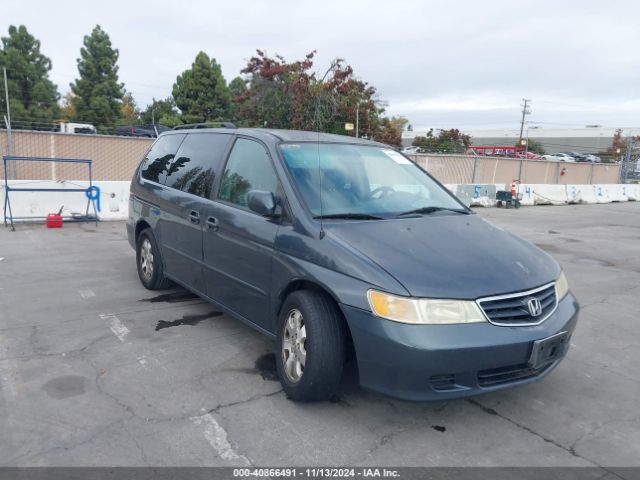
<point>311,346</point>
<point>149,261</point>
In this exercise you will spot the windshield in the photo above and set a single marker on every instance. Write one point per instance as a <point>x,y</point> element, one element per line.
<point>365,181</point>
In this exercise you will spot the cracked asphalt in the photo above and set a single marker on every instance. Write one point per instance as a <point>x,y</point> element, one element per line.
<point>97,371</point>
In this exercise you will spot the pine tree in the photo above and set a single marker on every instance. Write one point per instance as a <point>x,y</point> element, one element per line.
<point>238,94</point>
<point>201,93</point>
<point>97,92</point>
<point>33,98</point>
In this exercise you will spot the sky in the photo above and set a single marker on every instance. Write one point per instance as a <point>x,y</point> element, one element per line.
<point>464,64</point>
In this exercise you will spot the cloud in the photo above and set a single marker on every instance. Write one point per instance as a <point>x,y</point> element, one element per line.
<point>439,63</point>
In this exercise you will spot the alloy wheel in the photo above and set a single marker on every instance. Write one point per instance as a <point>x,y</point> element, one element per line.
<point>146,259</point>
<point>294,353</point>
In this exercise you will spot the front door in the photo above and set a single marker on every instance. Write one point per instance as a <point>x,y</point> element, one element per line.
<point>238,243</point>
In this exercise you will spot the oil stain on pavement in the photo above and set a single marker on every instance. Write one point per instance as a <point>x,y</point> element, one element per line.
<point>66,386</point>
<point>186,320</point>
<point>173,297</point>
<point>266,366</point>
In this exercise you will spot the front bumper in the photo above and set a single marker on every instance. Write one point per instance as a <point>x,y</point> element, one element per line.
<point>434,362</point>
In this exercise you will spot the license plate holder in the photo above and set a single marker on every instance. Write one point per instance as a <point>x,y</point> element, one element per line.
<point>547,350</point>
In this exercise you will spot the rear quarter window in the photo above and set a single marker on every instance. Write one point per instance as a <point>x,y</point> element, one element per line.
<point>157,161</point>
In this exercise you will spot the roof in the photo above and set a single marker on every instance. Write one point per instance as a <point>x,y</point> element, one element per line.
<point>284,135</point>
<point>307,136</point>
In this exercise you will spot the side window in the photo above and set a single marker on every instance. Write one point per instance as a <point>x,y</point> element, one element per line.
<point>156,163</point>
<point>196,163</point>
<point>248,168</point>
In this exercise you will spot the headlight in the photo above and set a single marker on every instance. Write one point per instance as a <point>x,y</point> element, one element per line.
<point>562,286</point>
<point>424,310</point>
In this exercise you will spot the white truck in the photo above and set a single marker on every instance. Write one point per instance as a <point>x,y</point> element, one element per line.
<point>77,128</point>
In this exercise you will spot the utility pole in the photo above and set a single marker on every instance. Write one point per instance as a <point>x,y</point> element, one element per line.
<point>525,111</point>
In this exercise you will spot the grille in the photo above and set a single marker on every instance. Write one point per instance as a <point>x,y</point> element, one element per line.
<point>498,376</point>
<point>513,309</point>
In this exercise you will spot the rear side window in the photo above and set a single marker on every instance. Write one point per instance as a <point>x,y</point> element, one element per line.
<point>156,163</point>
<point>249,168</point>
<point>196,163</point>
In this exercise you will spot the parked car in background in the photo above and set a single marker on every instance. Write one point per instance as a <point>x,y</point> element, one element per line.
<point>593,158</point>
<point>338,247</point>
<point>577,156</point>
<point>559,157</point>
<point>411,150</point>
<point>528,156</point>
<point>150,131</point>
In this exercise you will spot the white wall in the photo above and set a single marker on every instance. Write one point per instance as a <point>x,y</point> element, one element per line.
<point>114,199</point>
<point>114,196</point>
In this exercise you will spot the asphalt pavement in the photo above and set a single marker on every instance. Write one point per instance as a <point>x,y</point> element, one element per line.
<point>95,370</point>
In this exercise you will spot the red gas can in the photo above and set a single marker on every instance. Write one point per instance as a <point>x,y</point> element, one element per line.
<point>54,220</point>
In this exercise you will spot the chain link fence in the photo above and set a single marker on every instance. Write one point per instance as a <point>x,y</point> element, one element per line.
<point>115,158</point>
<point>630,165</point>
<point>469,169</point>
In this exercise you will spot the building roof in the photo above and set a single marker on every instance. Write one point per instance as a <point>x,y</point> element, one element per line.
<point>537,132</point>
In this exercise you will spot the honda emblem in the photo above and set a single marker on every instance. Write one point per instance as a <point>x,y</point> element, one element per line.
<point>534,306</point>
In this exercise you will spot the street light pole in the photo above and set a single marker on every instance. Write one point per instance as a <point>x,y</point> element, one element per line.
<point>7,119</point>
<point>357,118</point>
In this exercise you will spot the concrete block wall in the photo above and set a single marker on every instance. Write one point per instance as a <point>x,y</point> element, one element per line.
<point>114,196</point>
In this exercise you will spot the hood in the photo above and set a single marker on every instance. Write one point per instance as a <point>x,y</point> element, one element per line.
<point>449,256</point>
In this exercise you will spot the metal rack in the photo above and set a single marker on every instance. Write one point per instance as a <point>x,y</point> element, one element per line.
<point>89,191</point>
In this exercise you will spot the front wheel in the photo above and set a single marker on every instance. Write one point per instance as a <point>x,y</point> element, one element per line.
<point>311,346</point>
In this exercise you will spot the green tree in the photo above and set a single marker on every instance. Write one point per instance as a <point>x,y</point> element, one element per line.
<point>283,94</point>
<point>67,110</point>
<point>33,98</point>
<point>237,90</point>
<point>163,112</point>
<point>446,141</point>
<point>533,146</point>
<point>618,148</point>
<point>129,112</point>
<point>391,130</point>
<point>201,92</point>
<point>97,92</point>
<point>237,87</point>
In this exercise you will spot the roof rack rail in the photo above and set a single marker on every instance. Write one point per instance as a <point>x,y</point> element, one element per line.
<point>205,125</point>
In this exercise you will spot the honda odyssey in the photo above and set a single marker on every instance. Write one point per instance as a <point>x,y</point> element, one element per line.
<point>340,248</point>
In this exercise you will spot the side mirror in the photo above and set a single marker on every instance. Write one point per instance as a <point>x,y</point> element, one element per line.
<point>262,203</point>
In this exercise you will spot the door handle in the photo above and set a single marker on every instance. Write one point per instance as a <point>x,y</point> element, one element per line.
<point>194,217</point>
<point>212,223</point>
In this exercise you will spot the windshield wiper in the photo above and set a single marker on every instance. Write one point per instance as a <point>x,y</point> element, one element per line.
<point>428,210</point>
<point>349,216</point>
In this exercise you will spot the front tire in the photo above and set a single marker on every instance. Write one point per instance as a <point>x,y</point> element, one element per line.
<point>149,262</point>
<point>311,346</point>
